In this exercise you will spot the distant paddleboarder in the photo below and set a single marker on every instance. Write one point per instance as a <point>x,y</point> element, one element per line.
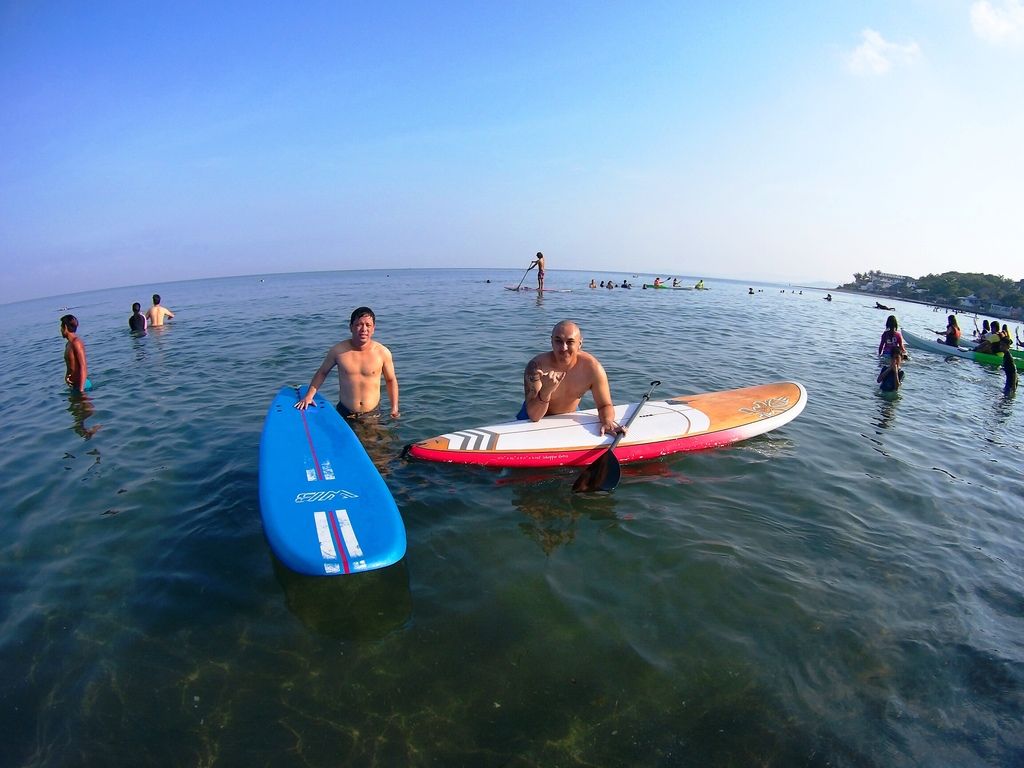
<point>539,264</point>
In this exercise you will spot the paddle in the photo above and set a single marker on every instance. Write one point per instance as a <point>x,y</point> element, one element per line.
<point>604,472</point>
<point>524,276</point>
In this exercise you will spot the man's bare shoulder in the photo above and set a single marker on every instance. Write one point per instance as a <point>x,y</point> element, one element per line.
<point>589,363</point>
<point>543,360</point>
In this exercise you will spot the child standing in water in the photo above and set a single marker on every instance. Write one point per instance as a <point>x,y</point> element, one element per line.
<point>76,370</point>
<point>891,338</point>
<point>891,377</point>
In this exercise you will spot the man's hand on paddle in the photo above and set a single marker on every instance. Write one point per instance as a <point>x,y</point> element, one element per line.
<point>612,427</point>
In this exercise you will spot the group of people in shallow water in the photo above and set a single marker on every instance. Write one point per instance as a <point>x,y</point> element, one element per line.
<point>991,339</point>
<point>76,373</point>
<point>610,284</point>
<point>553,382</point>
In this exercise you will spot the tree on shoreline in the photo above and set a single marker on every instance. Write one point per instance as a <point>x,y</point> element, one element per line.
<point>949,288</point>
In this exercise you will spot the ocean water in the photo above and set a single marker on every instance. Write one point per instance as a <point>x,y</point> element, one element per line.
<point>844,591</point>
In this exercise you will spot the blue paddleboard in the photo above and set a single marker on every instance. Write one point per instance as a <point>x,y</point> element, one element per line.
<point>326,509</point>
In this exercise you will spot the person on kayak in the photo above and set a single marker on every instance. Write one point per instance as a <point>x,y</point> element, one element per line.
<point>989,341</point>
<point>362,362</point>
<point>554,382</point>
<point>952,332</point>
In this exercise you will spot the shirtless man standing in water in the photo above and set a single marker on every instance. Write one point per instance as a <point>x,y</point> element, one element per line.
<point>76,373</point>
<point>554,382</point>
<point>156,314</point>
<point>539,263</point>
<point>361,363</point>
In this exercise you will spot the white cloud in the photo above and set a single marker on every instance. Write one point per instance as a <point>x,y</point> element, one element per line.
<point>998,24</point>
<point>876,55</point>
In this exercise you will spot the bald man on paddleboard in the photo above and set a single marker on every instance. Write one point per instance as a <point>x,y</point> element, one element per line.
<point>554,382</point>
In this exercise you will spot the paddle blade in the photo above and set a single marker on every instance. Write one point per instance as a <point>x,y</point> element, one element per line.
<point>601,475</point>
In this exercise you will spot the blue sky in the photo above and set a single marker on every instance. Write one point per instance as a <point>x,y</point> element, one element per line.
<point>147,142</point>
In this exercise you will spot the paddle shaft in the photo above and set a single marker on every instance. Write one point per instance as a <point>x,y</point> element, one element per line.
<point>633,415</point>
<point>524,276</point>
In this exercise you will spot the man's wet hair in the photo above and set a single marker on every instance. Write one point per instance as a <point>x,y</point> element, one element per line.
<point>70,322</point>
<point>361,312</point>
<point>156,298</point>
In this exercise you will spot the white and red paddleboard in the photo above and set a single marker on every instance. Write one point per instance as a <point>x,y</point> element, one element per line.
<point>663,427</point>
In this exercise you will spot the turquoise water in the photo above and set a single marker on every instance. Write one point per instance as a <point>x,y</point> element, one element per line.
<point>846,590</point>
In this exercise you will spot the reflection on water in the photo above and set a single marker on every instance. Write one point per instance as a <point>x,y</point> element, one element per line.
<point>380,441</point>
<point>549,524</point>
<point>139,346</point>
<point>553,511</point>
<point>81,408</point>
<point>358,606</point>
<point>886,408</point>
<point>1003,406</point>
<point>789,601</point>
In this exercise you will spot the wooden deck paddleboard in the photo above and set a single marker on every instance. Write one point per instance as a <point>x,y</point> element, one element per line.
<point>326,509</point>
<point>663,427</point>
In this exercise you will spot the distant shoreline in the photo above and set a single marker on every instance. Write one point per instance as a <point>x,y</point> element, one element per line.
<point>944,307</point>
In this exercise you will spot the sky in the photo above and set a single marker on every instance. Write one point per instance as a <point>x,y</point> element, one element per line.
<point>142,143</point>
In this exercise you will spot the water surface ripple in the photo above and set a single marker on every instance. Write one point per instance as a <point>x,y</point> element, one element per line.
<point>845,591</point>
